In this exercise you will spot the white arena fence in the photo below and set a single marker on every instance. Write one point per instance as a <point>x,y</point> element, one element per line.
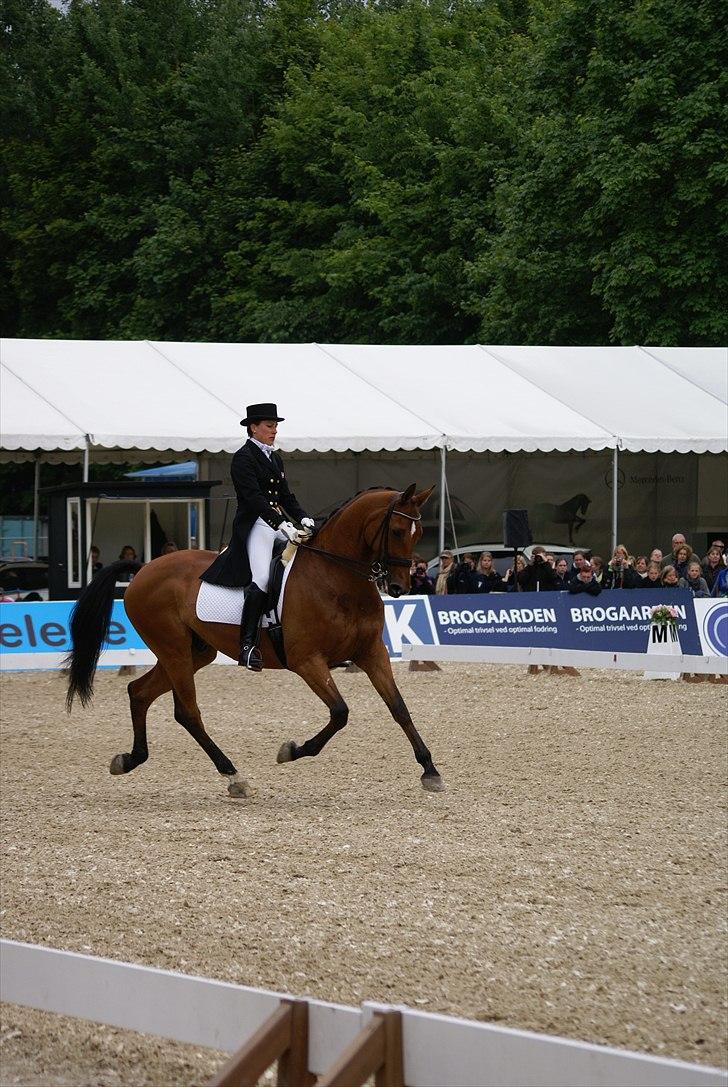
<point>576,658</point>
<point>438,1051</point>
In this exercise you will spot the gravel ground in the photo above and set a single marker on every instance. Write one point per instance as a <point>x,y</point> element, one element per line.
<point>570,880</point>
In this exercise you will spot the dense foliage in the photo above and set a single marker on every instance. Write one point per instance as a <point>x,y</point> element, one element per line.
<point>523,171</point>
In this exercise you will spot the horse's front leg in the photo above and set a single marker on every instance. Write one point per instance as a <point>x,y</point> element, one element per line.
<point>377,666</point>
<point>315,671</point>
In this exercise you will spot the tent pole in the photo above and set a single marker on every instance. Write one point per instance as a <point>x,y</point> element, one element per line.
<point>85,460</point>
<point>615,488</point>
<point>36,504</point>
<point>443,493</point>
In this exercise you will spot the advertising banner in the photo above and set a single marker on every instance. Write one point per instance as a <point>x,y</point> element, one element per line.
<point>36,635</point>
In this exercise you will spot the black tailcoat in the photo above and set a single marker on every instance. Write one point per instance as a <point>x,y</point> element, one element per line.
<point>262,491</point>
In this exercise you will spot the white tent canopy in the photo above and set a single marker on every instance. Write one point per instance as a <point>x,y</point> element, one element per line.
<point>140,395</point>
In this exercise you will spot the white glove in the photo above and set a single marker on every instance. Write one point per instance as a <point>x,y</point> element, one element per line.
<point>307,522</point>
<point>291,532</point>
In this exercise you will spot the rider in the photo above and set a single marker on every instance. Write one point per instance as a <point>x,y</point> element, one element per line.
<point>266,510</point>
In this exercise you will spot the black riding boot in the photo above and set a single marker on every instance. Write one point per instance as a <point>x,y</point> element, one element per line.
<point>253,608</point>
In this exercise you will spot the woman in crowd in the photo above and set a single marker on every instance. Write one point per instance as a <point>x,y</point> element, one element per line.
<point>656,555</point>
<point>562,575</point>
<point>445,569</point>
<point>128,553</point>
<point>654,577</point>
<point>640,569</point>
<point>670,578</point>
<point>521,564</point>
<point>597,563</point>
<point>694,580</point>
<point>683,556</point>
<point>712,565</point>
<point>487,579</point>
<point>619,574</point>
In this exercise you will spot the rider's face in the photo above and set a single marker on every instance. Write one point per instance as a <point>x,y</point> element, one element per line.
<point>265,431</point>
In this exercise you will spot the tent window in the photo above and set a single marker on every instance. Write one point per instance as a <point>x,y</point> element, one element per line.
<point>73,537</point>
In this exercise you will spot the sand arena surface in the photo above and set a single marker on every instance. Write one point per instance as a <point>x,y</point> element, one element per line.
<point>570,880</point>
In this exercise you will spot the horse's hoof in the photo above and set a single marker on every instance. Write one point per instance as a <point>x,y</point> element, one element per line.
<point>240,789</point>
<point>287,752</point>
<point>119,765</point>
<point>433,783</point>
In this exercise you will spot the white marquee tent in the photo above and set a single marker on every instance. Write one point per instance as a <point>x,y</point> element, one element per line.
<point>58,396</point>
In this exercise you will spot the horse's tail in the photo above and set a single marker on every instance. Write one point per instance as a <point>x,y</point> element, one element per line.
<point>89,625</point>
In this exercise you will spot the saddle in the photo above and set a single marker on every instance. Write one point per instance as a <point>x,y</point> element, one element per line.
<point>220,604</point>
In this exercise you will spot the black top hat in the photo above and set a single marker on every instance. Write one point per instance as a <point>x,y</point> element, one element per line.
<point>255,412</point>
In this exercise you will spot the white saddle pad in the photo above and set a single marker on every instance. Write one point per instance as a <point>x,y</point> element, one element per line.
<point>219,604</point>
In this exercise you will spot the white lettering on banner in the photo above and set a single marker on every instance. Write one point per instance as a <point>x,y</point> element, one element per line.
<point>502,618</point>
<point>623,614</point>
<point>399,628</point>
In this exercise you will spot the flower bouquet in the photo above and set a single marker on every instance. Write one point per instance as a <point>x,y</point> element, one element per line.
<point>664,614</point>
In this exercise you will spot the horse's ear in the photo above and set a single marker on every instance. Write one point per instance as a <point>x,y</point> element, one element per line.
<point>421,498</point>
<point>407,495</point>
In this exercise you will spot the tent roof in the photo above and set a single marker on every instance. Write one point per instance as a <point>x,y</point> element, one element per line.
<point>185,397</point>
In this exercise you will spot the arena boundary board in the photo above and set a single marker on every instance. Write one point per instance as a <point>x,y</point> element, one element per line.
<point>437,1050</point>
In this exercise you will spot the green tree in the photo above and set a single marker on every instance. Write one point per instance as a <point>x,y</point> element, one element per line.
<point>612,221</point>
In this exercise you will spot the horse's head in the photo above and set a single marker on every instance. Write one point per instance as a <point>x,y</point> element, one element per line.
<point>398,533</point>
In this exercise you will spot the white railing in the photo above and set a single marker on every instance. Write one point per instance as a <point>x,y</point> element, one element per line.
<point>438,1050</point>
<point>576,658</point>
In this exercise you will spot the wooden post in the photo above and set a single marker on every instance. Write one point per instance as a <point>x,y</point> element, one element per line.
<point>376,1050</point>
<point>283,1037</point>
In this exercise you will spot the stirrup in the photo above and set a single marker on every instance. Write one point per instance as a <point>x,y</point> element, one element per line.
<point>251,658</point>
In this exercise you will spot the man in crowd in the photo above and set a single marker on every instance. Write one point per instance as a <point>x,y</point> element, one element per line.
<point>585,582</point>
<point>539,575</point>
<point>420,584</point>
<point>676,543</point>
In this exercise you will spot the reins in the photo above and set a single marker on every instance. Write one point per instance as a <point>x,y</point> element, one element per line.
<point>378,569</point>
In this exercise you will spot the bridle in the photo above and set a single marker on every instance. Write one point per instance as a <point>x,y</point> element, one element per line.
<point>378,569</point>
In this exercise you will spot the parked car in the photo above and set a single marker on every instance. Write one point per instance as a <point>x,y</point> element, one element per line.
<point>503,556</point>
<point>19,577</point>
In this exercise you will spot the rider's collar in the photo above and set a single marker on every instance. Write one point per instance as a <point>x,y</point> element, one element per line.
<point>267,449</point>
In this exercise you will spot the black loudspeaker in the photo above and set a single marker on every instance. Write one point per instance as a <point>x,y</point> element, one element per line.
<point>516,530</point>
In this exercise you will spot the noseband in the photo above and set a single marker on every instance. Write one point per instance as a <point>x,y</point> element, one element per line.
<point>378,570</point>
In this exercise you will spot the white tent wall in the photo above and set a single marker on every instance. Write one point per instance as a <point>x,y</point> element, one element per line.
<point>659,493</point>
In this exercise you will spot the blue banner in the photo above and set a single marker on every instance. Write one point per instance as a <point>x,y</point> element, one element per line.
<point>42,627</point>
<point>615,621</point>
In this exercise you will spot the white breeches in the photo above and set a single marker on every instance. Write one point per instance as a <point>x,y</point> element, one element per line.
<point>260,551</point>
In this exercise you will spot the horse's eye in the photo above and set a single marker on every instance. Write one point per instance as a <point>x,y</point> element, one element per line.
<point>398,532</point>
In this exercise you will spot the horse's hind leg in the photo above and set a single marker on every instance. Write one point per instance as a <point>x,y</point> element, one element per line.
<point>316,674</point>
<point>377,666</point>
<point>142,692</point>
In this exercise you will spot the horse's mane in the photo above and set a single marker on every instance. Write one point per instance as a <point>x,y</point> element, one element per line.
<point>348,502</point>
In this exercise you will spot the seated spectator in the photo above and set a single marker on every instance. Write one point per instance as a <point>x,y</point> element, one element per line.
<point>443,572</point>
<point>127,553</point>
<point>678,540</point>
<point>169,547</point>
<point>655,555</point>
<point>669,578</point>
<point>561,571</point>
<point>462,579</point>
<point>509,581</point>
<point>4,599</point>
<point>683,556</point>
<point>487,578</point>
<point>420,584</point>
<point>695,582</point>
<point>585,582</point>
<point>654,577</point>
<point>538,576</point>
<point>719,545</point>
<point>640,569</point>
<point>711,567</point>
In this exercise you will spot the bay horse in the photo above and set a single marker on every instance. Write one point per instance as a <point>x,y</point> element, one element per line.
<point>332,612</point>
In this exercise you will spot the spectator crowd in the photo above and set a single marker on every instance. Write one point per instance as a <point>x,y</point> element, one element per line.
<point>680,567</point>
